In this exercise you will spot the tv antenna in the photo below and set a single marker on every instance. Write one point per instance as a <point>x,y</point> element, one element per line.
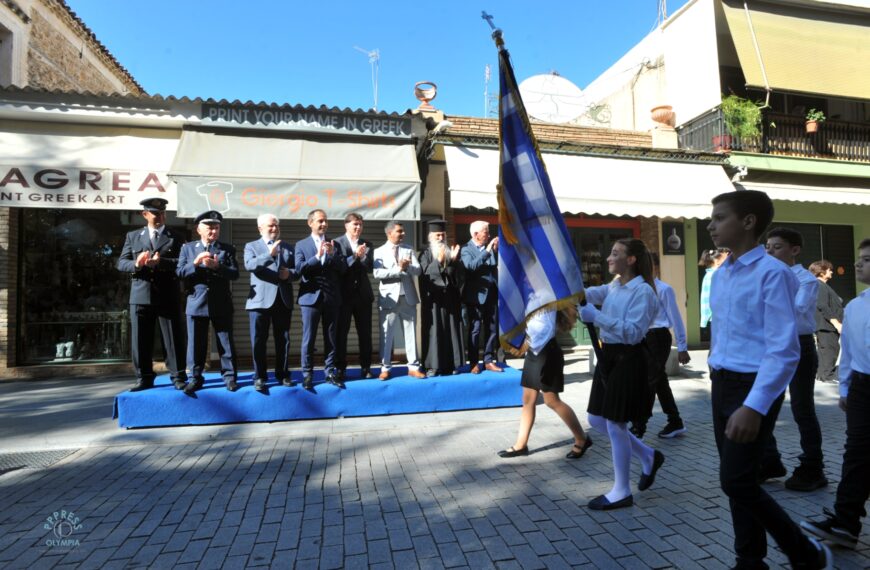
<point>374,59</point>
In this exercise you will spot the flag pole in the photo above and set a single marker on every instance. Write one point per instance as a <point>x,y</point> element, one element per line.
<point>499,42</point>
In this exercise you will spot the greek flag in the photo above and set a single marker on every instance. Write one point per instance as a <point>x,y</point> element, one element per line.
<point>537,263</point>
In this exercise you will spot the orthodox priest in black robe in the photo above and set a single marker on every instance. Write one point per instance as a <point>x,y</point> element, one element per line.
<point>440,290</point>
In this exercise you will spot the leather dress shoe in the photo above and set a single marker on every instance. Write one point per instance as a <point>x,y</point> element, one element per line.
<point>578,454</point>
<point>194,385</point>
<point>384,375</point>
<point>475,369</point>
<point>287,382</point>
<point>334,378</point>
<point>260,385</point>
<point>493,367</point>
<point>142,385</point>
<point>232,385</point>
<point>507,453</point>
<point>179,383</point>
<point>646,481</point>
<point>416,374</point>
<point>366,374</point>
<point>307,382</point>
<point>600,503</point>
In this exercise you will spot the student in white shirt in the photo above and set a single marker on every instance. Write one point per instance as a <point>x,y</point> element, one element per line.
<point>754,354</point>
<point>543,371</point>
<point>843,526</point>
<point>658,341</point>
<point>785,245</point>
<point>620,386</point>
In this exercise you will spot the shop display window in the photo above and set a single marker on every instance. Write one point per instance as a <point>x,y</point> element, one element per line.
<point>73,302</point>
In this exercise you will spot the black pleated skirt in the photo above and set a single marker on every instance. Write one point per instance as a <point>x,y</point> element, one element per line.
<point>545,371</point>
<point>620,390</point>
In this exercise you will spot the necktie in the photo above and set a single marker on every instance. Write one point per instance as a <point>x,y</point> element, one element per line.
<point>154,240</point>
<point>396,253</point>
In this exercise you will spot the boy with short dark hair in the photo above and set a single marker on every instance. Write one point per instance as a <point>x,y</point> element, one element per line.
<point>843,526</point>
<point>754,354</point>
<point>785,245</point>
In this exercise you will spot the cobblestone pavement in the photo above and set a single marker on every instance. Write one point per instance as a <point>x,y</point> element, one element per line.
<point>422,491</point>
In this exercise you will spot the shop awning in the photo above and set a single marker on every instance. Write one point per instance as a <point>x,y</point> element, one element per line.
<point>801,49</point>
<point>596,185</point>
<point>243,176</point>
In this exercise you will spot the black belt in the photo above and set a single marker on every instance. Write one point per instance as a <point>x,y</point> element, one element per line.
<point>749,376</point>
<point>860,376</point>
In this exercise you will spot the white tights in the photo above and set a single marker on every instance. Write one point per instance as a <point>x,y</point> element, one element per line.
<point>623,445</point>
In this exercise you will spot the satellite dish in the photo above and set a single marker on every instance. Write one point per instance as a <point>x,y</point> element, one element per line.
<point>551,98</point>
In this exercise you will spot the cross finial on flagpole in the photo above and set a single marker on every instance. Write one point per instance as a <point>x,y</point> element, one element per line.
<point>496,32</point>
<point>488,19</point>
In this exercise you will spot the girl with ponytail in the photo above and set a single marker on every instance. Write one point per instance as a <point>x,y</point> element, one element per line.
<point>619,387</point>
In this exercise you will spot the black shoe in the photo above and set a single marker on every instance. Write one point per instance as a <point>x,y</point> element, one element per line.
<point>578,454</point>
<point>830,529</point>
<point>307,382</point>
<point>806,479</point>
<point>637,430</point>
<point>194,385</point>
<point>771,471</point>
<point>232,385</point>
<point>179,383</point>
<point>506,453</point>
<point>824,558</point>
<point>260,385</point>
<point>142,385</point>
<point>673,429</point>
<point>334,378</point>
<point>287,382</point>
<point>600,503</point>
<point>366,374</point>
<point>646,481</point>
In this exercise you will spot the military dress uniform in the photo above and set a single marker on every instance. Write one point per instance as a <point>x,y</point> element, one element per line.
<point>209,299</point>
<point>154,298</point>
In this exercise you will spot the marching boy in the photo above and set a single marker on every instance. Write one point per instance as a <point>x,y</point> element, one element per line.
<point>754,354</point>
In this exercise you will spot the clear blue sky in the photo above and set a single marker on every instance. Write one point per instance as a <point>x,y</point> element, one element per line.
<point>302,52</point>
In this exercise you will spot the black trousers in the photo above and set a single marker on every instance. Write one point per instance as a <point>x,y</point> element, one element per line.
<point>311,317</point>
<point>142,321</point>
<point>754,513</point>
<point>277,317</point>
<point>854,488</point>
<point>482,321</point>
<point>658,342</point>
<point>801,391</point>
<point>197,344</point>
<point>361,312</point>
<point>829,350</point>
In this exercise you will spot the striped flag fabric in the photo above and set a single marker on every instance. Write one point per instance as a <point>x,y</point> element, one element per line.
<point>537,262</point>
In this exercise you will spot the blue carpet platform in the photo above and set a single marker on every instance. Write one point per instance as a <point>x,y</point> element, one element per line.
<point>163,405</point>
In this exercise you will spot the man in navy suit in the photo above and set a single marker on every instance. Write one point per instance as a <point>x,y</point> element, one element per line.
<point>480,295</point>
<point>270,301</point>
<point>320,269</point>
<point>150,255</point>
<point>207,267</point>
<point>356,295</point>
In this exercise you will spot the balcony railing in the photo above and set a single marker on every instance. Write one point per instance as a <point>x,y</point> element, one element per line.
<point>782,134</point>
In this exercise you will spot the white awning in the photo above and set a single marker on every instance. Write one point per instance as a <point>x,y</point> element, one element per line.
<point>243,176</point>
<point>807,193</point>
<point>596,185</point>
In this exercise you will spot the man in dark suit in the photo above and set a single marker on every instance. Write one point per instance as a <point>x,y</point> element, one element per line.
<point>356,295</point>
<point>207,267</point>
<point>480,295</point>
<point>150,255</point>
<point>270,301</point>
<point>320,269</point>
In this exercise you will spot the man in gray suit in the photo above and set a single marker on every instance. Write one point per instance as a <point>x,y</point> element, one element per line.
<point>480,295</point>
<point>270,300</point>
<point>149,256</point>
<point>395,266</point>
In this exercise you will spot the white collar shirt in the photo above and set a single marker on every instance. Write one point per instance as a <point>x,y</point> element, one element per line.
<point>668,314</point>
<point>754,329</point>
<point>855,340</point>
<point>540,329</point>
<point>627,311</point>
<point>806,300</point>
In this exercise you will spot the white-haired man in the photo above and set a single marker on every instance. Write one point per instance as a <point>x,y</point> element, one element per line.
<point>480,295</point>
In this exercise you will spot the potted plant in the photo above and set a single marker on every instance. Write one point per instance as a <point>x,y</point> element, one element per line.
<point>814,117</point>
<point>742,119</point>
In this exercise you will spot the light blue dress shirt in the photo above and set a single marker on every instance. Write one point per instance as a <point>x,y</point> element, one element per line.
<point>706,313</point>
<point>806,300</point>
<point>668,314</point>
<point>855,340</point>
<point>627,310</point>
<point>754,330</point>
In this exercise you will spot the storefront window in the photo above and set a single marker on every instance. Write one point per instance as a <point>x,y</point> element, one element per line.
<point>72,300</point>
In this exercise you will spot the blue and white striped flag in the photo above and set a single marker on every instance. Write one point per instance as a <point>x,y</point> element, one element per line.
<point>537,262</point>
